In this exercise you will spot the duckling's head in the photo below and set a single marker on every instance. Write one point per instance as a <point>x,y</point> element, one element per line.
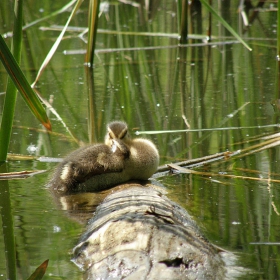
<point>116,131</point>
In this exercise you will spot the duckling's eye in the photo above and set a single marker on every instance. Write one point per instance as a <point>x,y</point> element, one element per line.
<point>122,136</point>
<point>123,133</point>
<point>111,135</point>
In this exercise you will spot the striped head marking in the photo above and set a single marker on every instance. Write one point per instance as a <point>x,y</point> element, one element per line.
<point>117,129</point>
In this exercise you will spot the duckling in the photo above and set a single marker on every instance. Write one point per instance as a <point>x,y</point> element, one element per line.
<point>99,166</point>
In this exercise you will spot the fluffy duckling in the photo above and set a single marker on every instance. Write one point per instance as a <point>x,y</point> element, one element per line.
<point>99,166</point>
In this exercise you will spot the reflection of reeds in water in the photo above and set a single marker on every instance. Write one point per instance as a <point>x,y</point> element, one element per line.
<point>211,86</point>
<point>8,228</point>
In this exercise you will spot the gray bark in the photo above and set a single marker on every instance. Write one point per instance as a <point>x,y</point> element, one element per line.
<point>138,233</point>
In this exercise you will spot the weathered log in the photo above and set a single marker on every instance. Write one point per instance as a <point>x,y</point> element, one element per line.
<point>138,233</point>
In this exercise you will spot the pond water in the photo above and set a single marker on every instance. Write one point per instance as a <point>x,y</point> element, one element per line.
<point>227,94</point>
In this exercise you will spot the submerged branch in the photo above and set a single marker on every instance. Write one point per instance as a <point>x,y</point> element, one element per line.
<point>198,162</point>
<point>20,174</point>
<point>211,174</point>
<point>273,141</point>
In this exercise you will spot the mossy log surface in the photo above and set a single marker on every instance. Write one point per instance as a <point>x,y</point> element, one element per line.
<point>138,233</point>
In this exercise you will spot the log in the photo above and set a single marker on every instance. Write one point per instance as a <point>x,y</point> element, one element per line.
<point>138,233</point>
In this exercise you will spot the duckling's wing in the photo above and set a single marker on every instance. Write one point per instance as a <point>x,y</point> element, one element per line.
<point>86,163</point>
<point>93,160</point>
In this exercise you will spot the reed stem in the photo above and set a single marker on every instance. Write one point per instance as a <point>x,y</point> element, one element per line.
<point>92,30</point>
<point>11,91</point>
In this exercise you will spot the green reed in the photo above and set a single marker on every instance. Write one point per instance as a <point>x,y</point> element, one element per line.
<point>11,91</point>
<point>92,30</point>
<point>16,81</point>
<point>278,30</point>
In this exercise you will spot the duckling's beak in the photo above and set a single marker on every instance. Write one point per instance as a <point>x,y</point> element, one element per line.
<point>119,145</point>
<point>114,146</point>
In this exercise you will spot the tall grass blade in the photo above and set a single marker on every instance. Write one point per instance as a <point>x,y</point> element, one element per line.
<point>59,118</point>
<point>224,23</point>
<point>92,30</point>
<point>22,85</point>
<point>56,44</point>
<point>11,91</point>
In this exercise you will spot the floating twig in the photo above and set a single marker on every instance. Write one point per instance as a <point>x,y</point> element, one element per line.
<point>20,174</point>
<point>211,174</point>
